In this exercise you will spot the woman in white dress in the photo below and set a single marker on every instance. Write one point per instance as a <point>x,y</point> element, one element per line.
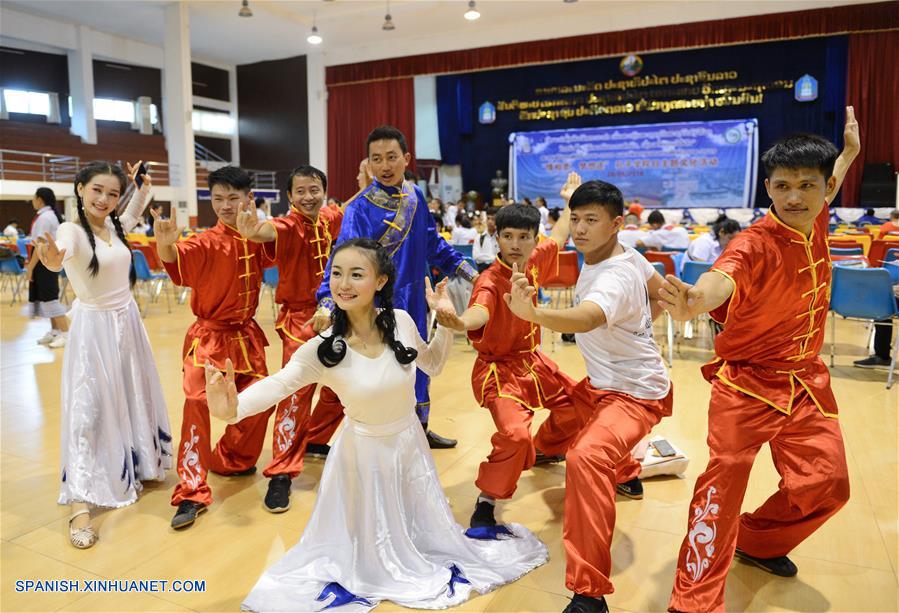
<point>381,528</point>
<point>115,430</point>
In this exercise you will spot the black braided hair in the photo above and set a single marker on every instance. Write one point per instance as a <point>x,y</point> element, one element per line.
<point>333,349</point>
<point>83,178</point>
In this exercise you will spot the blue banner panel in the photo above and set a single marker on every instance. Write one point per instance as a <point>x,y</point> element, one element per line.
<point>669,165</point>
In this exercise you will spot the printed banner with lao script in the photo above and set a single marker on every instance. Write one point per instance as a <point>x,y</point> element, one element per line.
<point>694,164</point>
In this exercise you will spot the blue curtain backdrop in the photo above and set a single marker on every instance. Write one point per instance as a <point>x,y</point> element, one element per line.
<point>482,149</point>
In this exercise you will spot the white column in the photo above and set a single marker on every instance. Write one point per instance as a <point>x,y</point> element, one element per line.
<point>232,94</point>
<point>317,96</point>
<point>177,107</point>
<point>81,86</point>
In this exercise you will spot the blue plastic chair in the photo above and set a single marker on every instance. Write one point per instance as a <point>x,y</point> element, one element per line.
<point>465,250</point>
<point>148,279</point>
<point>660,268</point>
<point>22,243</point>
<point>693,270</point>
<point>846,251</point>
<point>893,269</point>
<point>13,275</point>
<point>863,294</point>
<point>891,255</point>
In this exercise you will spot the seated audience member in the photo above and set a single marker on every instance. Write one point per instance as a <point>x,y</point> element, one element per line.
<point>263,211</point>
<point>442,230</point>
<point>485,245</point>
<point>707,247</point>
<point>12,229</point>
<point>868,218</point>
<point>449,215</point>
<point>631,234</point>
<point>892,225</point>
<point>883,342</point>
<point>463,233</point>
<point>157,207</point>
<point>662,235</point>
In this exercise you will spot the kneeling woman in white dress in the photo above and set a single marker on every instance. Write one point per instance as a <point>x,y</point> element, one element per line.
<point>115,428</point>
<point>381,528</point>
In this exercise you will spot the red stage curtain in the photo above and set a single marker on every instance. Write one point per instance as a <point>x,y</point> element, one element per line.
<point>872,87</point>
<point>353,111</point>
<point>797,24</point>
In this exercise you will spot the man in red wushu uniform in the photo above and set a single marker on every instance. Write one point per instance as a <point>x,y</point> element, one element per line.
<point>511,377</point>
<point>627,390</point>
<point>224,271</point>
<point>770,289</point>
<point>302,243</point>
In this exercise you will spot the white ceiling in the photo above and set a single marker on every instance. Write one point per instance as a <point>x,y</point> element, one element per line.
<point>352,28</point>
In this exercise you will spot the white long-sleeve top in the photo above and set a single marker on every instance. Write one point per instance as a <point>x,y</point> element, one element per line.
<point>373,390</point>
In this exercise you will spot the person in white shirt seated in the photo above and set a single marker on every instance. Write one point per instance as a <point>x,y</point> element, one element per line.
<point>662,235</point>
<point>449,216</point>
<point>485,245</point>
<point>707,247</point>
<point>463,233</point>
<point>263,210</point>
<point>631,233</point>
<point>11,231</point>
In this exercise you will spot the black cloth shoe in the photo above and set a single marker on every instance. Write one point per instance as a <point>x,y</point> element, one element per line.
<point>632,489</point>
<point>585,604</point>
<point>483,515</point>
<point>277,499</point>
<point>872,362</point>
<point>241,473</point>
<point>568,338</point>
<point>782,566</point>
<point>186,514</point>
<point>317,450</point>
<point>435,441</point>
<point>548,459</point>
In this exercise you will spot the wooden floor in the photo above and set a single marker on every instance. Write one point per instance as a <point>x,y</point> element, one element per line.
<point>848,565</point>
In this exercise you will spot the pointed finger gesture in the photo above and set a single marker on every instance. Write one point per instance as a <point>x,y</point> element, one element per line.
<point>678,298</point>
<point>49,254</point>
<point>221,391</point>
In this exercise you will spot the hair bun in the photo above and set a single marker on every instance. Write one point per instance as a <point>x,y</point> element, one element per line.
<point>332,350</point>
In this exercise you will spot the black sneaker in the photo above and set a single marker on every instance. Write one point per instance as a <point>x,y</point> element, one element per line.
<point>277,499</point>
<point>872,362</point>
<point>585,604</point>
<point>548,459</point>
<point>318,450</point>
<point>241,473</point>
<point>632,489</point>
<point>435,441</point>
<point>483,515</point>
<point>187,513</point>
<point>782,566</point>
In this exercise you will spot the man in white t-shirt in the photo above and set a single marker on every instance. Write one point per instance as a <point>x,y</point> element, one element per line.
<point>486,245</point>
<point>627,390</point>
<point>631,233</point>
<point>662,235</point>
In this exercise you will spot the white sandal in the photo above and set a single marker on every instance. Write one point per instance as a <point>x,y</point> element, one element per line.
<point>82,538</point>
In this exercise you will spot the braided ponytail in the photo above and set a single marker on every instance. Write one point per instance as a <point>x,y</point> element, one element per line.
<point>333,348</point>
<point>83,178</point>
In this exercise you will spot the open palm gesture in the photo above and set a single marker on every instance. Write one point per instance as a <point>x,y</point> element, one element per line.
<point>572,183</point>
<point>49,254</point>
<point>438,298</point>
<point>678,298</point>
<point>248,222</point>
<point>221,391</point>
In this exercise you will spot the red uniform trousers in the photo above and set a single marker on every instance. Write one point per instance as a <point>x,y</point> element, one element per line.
<point>599,455</point>
<point>511,390</point>
<point>291,433</point>
<point>241,444</point>
<point>807,449</point>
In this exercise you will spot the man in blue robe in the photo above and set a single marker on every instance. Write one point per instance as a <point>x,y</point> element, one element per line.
<point>394,212</point>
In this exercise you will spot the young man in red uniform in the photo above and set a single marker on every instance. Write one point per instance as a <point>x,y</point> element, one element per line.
<point>301,245</point>
<point>627,390</point>
<point>770,289</point>
<point>511,377</point>
<point>224,271</point>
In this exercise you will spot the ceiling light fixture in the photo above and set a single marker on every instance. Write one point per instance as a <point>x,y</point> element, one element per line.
<point>472,13</point>
<point>314,38</point>
<point>245,9</point>
<point>388,20</point>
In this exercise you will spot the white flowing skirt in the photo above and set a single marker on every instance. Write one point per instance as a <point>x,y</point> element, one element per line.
<point>382,529</point>
<point>115,428</point>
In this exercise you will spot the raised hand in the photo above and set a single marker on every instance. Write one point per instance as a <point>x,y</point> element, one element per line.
<point>571,184</point>
<point>438,298</point>
<point>678,298</point>
<point>851,141</point>
<point>521,298</point>
<point>166,231</point>
<point>248,222</point>
<point>365,177</point>
<point>147,180</point>
<point>49,254</point>
<point>221,391</point>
